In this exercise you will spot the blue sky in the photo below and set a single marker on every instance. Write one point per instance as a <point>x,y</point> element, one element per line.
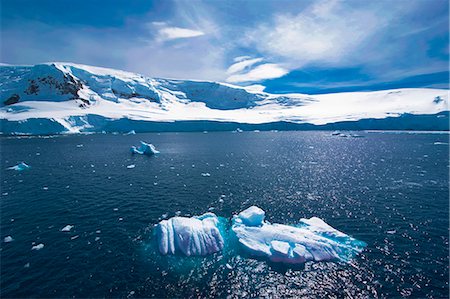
<point>286,46</point>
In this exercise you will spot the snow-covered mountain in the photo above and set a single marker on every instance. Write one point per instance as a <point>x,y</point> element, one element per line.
<point>71,98</point>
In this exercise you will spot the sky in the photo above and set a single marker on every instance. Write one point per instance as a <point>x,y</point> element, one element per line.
<point>303,46</point>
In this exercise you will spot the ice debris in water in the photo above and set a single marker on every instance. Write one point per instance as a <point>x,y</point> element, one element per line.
<point>21,166</point>
<point>67,228</point>
<point>144,149</point>
<point>196,236</point>
<point>132,132</point>
<point>311,240</point>
<point>37,247</point>
<point>131,166</point>
<point>8,239</point>
<point>206,174</point>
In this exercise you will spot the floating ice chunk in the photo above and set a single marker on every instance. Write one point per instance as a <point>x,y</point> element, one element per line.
<point>132,132</point>
<point>37,247</point>
<point>440,143</point>
<point>144,149</point>
<point>196,236</point>
<point>67,228</point>
<point>311,240</point>
<point>252,216</point>
<point>206,174</point>
<point>21,166</point>
<point>131,166</point>
<point>8,239</point>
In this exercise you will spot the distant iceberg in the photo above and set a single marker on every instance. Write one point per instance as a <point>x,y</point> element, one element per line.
<point>311,240</point>
<point>21,166</point>
<point>144,149</point>
<point>132,132</point>
<point>196,236</point>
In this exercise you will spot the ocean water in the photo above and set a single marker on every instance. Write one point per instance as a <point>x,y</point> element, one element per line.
<point>389,190</point>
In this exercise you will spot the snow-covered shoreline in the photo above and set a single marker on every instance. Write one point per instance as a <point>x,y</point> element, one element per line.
<point>74,96</point>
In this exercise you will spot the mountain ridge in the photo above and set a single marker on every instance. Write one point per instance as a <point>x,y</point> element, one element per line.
<point>70,94</point>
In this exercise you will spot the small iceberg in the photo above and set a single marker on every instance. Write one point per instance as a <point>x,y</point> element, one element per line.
<point>144,149</point>
<point>8,239</point>
<point>37,247</point>
<point>21,166</point>
<point>67,228</point>
<point>196,236</point>
<point>132,132</point>
<point>311,240</point>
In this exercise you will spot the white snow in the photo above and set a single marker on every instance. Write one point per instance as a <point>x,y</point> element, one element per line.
<point>196,236</point>
<point>116,95</point>
<point>67,228</point>
<point>311,240</point>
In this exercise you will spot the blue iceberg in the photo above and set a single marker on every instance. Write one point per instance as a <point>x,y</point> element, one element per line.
<point>311,240</point>
<point>196,236</point>
<point>144,149</point>
<point>21,166</point>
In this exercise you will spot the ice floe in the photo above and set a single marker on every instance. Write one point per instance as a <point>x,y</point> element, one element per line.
<point>196,236</point>
<point>37,247</point>
<point>132,132</point>
<point>21,166</point>
<point>311,240</point>
<point>8,239</point>
<point>144,149</point>
<point>67,228</point>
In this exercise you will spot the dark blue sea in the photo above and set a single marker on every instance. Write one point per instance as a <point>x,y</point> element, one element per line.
<point>388,189</point>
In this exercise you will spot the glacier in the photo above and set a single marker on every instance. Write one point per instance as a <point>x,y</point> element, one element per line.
<point>311,240</point>
<point>72,98</point>
<point>144,149</point>
<point>195,236</point>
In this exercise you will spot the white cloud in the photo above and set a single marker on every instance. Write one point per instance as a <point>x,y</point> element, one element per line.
<point>242,65</point>
<point>326,32</point>
<point>261,72</point>
<point>169,33</point>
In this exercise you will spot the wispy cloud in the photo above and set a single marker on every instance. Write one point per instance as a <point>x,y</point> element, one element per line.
<point>259,73</point>
<point>326,32</point>
<point>242,64</point>
<point>166,32</point>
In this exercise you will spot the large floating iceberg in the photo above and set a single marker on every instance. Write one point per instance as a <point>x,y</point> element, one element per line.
<point>196,236</point>
<point>311,240</point>
<point>144,149</point>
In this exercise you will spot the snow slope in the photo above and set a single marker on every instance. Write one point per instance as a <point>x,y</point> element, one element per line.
<point>72,98</point>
